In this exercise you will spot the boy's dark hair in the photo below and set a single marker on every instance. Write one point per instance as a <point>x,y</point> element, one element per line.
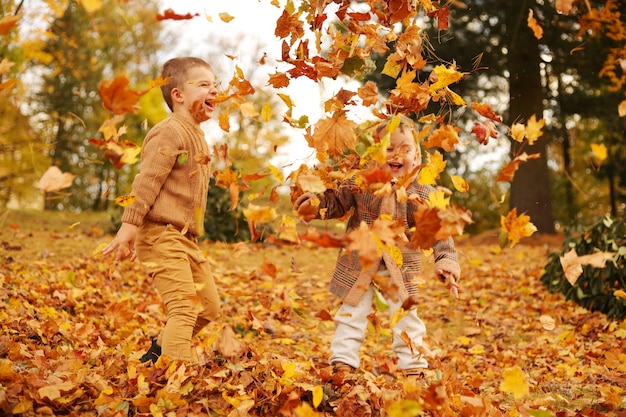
<point>176,69</point>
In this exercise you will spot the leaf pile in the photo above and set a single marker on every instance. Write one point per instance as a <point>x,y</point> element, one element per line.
<point>73,328</point>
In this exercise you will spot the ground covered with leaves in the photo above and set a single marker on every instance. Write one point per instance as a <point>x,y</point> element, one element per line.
<point>74,327</point>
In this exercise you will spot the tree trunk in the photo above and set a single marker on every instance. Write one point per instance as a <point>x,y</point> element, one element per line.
<point>530,189</point>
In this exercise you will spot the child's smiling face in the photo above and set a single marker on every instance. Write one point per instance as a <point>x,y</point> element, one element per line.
<point>199,94</point>
<point>403,156</point>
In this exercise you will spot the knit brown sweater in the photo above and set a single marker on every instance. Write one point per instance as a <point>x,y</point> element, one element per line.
<point>173,181</point>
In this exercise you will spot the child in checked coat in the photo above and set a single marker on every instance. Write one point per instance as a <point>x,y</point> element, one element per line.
<point>354,284</point>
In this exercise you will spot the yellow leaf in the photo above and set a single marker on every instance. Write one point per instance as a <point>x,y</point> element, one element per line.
<point>533,129</point>
<point>516,227</point>
<point>518,132</point>
<point>318,395</point>
<point>266,112</point>
<point>125,200</point>
<point>514,382</point>
<point>459,183</point>
<point>23,406</point>
<point>289,369</point>
<point>225,17</point>
<point>445,77</point>
<point>276,173</point>
<point>91,5</point>
<point>247,109</point>
<point>599,151</point>
<point>259,214</point>
<point>429,174</point>
<point>287,230</point>
<point>392,68</point>
<point>438,199</point>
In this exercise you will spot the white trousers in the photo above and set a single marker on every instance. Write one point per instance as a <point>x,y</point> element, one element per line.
<point>351,324</point>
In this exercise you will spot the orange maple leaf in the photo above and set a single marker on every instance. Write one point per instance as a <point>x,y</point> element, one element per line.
<point>487,111</point>
<point>427,226</point>
<point>117,97</point>
<point>278,80</point>
<point>445,137</point>
<point>335,134</point>
<point>442,15</point>
<point>369,93</point>
<point>364,244</point>
<point>508,172</point>
<point>8,22</point>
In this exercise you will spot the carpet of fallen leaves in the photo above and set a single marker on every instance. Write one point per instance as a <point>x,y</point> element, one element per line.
<point>74,326</point>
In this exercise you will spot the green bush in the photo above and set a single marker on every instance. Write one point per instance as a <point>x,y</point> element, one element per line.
<point>595,288</point>
<point>220,223</point>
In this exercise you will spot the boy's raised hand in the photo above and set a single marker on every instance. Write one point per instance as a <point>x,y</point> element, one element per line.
<point>305,207</point>
<point>450,282</point>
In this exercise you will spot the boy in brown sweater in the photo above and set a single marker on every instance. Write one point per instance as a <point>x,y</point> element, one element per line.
<point>161,227</point>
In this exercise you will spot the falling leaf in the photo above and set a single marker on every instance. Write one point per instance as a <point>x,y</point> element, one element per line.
<point>599,151</point>
<point>445,137</point>
<point>445,77</point>
<point>54,180</point>
<point>117,97</point>
<point>459,183</point>
<point>518,132</point>
<point>487,111</point>
<point>125,200</point>
<point>514,382</point>
<point>8,22</point>
<point>91,6</point>
<point>259,214</point>
<point>533,129</point>
<point>335,134</point>
<point>573,264</point>
<point>516,227</point>
<point>534,25</point>
<point>169,14</point>
<point>564,6</point>
<point>225,17</point>
<point>484,131</point>
<point>508,172</point>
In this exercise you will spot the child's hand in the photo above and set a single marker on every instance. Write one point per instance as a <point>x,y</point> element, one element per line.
<point>450,282</point>
<point>305,207</point>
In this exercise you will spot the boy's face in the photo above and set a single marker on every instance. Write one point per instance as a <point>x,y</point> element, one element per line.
<point>403,156</point>
<point>197,95</point>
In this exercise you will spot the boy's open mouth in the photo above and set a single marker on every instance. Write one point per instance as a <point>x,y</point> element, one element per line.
<point>394,165</point>
<point>210,104</point>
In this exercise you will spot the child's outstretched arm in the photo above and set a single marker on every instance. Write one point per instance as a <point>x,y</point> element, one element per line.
<point>450,281</point>
<point>305,207</point>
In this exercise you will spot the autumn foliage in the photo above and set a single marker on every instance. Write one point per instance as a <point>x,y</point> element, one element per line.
<point>77,325</point>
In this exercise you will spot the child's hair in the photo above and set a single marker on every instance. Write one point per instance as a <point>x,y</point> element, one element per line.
<point>406,125</point>
<point>176,69</point>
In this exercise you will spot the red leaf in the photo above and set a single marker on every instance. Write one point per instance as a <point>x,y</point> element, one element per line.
<point>169,14</point>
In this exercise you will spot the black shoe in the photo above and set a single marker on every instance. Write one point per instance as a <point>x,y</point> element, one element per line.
<point>153,353</point>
